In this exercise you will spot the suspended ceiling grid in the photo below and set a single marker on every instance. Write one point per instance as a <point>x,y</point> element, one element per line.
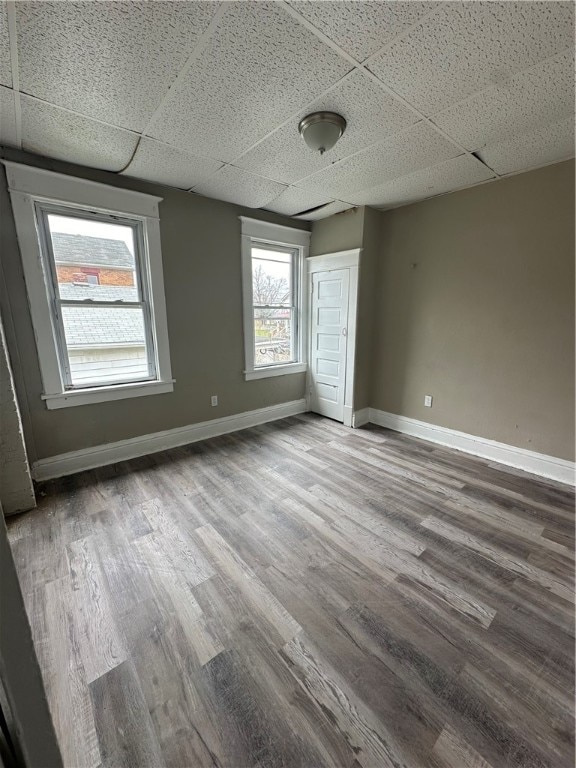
<point>207,96</point>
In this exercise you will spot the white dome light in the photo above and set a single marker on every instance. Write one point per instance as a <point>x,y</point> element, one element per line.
<point>321,130</point>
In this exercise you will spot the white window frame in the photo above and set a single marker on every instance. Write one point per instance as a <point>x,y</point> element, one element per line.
<point>263,233</point>
<point>34,188</point>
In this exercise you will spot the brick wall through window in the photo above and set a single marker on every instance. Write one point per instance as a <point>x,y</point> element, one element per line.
<point>75,274</point>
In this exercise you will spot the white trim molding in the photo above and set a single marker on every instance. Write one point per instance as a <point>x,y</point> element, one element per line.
<point>103,394</point>
<point>110,453</point>
<point>361,417</point>
<point>256,232</point>
<point>336,260</point>
<point>278,233</point>
<point>536,463</point>
<point>81,193</point>
<point>275,370</point>
<point>34,192</point>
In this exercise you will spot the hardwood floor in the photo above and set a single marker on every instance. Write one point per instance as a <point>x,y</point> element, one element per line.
<point>301,594</point>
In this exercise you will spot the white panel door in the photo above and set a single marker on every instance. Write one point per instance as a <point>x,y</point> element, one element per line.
<point>329,329</point>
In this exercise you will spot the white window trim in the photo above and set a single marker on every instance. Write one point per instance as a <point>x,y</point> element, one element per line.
<point>253,231</point>
<point>29,185</point>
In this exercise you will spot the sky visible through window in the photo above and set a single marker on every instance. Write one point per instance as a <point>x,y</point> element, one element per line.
<point>72,226</point>
<point>276,261</point>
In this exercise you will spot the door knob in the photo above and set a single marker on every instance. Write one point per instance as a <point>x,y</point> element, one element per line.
<point>344,331</point>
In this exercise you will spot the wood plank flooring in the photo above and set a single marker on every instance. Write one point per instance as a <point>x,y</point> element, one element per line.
<point>302,594</point>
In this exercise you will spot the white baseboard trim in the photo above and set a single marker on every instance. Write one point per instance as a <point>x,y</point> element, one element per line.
<point>530,461</point>
<point>361,417</point>
<point>110,453</point>
<point>348,416</point>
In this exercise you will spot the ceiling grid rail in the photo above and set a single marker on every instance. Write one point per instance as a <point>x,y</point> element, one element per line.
<point>196,51</point>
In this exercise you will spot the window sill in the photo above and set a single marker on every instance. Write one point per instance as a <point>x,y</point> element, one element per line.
<point>102,394</point>
<point>275,370</point>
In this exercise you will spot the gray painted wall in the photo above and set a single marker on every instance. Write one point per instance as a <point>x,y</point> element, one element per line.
<point>16,491</point>
<point>475,306</point>
<point>340,232</point>
<point>367,297</point>
<point>356,228</point>
<point>202,274</point>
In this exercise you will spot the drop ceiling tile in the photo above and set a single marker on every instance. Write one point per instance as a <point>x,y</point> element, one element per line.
<point>259,67</point>
<point>235,185</point>
<point>113,61</point>
<point>293,200</point>
<point>544,145</point>
<point>5,64</point>
<point>456,173</point>
<point>7,117</point>
<point>371,115</point>
<point>328,210</point>
<point>54,132</point>
<point>417,147</point>
<point>362,28</point>
<point>542,94</point>
<point>159,162</point>
<point>466,47</point>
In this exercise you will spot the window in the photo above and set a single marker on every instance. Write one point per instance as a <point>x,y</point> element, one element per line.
<point>103,329</point>
<point>274,308</point>
<point>94,280</point>
<point>84,275</point>
<point>275,304</point>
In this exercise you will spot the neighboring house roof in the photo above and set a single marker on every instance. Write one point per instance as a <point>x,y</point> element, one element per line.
<point>94,251</point>
<point>101,326</point>
<point>83,291</point>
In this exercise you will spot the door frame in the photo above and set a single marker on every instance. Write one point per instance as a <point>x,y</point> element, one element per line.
<point>329,262</point>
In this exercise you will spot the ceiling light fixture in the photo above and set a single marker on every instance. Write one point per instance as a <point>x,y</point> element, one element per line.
<point>321,130</point>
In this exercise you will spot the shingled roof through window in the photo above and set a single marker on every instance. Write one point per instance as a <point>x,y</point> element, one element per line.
<point>84,250</point>
<point>101,326</point>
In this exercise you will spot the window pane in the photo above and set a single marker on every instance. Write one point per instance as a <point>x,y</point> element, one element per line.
<point>273,336</point>
<point>271,277</point>
<point>94,259</point>
<point>105,345</point>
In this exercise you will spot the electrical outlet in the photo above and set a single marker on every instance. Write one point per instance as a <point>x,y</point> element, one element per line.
<point>214,400</point>
<point>428,401</point>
